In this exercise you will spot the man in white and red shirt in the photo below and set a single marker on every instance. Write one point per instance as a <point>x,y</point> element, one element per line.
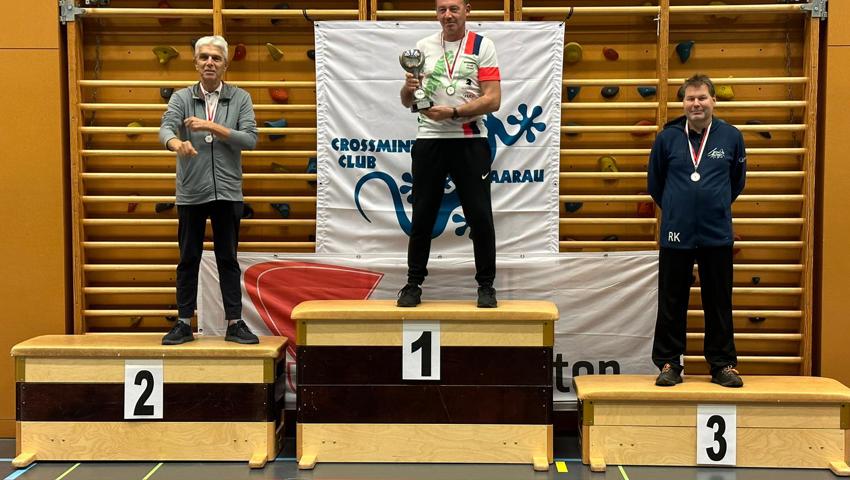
<point>461,76</point>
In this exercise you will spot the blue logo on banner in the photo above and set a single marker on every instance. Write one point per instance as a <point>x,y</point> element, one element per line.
<point>451,200</point>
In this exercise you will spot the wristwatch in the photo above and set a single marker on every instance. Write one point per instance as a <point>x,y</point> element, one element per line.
<point>454,113</point>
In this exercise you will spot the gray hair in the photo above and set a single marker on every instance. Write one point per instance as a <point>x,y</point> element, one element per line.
<point>214,40</point>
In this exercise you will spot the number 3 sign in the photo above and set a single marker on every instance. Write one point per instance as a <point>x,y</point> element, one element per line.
<point>143,389</point>
<point>716,434</point>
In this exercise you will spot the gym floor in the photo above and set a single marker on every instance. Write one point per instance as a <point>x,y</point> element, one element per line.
<point>568,466</point>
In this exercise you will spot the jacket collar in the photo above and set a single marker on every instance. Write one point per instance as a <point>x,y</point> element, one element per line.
<point>679,122</point>
<point>227,91</point>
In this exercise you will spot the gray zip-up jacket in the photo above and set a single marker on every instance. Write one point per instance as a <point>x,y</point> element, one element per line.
<point>215,173</point>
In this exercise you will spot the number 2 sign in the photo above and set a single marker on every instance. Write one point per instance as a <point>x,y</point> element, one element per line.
<point>143,389</point>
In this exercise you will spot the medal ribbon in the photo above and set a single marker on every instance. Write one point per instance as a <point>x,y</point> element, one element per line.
<point>210,103</point>
<point>211,108</point>
<point>696,157</point>
<point>451,69</point>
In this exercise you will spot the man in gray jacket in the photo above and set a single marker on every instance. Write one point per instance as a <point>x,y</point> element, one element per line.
<point>208,125</point>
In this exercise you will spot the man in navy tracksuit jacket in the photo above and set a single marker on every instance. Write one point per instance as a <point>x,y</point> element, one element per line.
<point>697,168</point>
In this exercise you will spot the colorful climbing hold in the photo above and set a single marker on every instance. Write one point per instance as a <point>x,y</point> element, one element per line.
<point>724,92</point>
<point>572,52</point>
<point>684,49</point>
<point>165,53</point>
<point>163,207</point>
<point>279,6</point>
<point>240,52</point>
<point>279,94</point>
<point>275,52</point>
<point>647,92</point>
<point>765,134</point>
<point>610,54</point>
<point>278,168</point>
<point>641,133</point>
<point>281,123</point>
<point>646,209</point>
<point>573,207</point>
<point>282,209</point>
<point>608,164</point>
<point>610,92</point>
<point>135,124</point>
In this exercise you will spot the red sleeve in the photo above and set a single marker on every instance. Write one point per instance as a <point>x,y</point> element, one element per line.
<point>488,73</point>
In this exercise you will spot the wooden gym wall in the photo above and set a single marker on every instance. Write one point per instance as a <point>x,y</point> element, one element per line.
<point>125,252</point>
<point>34,287</point>
<point>834,183</point>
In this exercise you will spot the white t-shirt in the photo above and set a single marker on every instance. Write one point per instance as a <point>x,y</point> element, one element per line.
<point>475,63</point>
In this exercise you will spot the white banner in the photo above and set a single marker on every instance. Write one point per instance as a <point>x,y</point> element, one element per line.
<point>365,134</point>
<point>607,300</point>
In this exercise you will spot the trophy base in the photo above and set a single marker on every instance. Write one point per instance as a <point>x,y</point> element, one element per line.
<point>423,104</point>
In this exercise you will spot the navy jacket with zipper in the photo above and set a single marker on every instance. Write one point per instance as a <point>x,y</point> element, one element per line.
<point>696,214</point>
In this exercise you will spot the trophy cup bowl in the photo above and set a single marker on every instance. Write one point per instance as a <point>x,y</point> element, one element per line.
<point>412,61</point>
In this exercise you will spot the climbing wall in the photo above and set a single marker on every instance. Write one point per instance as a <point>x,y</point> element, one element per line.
<point>624,62</point>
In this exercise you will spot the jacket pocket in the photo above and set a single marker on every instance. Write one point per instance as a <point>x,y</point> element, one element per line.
<point>193,175</point>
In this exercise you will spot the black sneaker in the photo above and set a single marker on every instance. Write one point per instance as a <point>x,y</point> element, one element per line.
<point>487,297</point>
<point>240,333</point>
<point>668,376</point>
<point>410,295</point>
<point>727,377</point>
<point>181,332</point>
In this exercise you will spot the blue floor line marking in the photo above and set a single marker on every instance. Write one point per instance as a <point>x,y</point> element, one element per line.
<point>284,459</point>
<point>567,459</point>
<point>18,473</point>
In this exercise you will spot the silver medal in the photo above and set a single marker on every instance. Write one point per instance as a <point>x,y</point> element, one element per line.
<point>208,138</point>
<point>695,177</point>
<point>450,90</point>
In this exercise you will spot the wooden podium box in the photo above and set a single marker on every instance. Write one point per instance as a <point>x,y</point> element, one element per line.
<point>488,401</point>
<point>786,422</point>
<point>217,399</point>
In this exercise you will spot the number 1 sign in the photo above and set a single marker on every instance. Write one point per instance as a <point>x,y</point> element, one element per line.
<point>420,356</point>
